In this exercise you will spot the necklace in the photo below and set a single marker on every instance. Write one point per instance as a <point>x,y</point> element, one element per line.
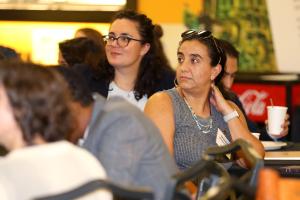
<point>205,128</point>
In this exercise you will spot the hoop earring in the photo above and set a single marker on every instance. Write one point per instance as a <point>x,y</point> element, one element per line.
<point>175,82</point>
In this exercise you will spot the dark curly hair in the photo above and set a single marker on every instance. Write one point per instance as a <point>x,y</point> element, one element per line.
<point>152,67</point>
<point>82,50</point>
<point>92,34</point>
<point>39,100</point>
<point>76,84</point>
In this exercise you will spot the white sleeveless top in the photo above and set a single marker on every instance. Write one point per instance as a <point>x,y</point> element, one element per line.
<point>114,90</point>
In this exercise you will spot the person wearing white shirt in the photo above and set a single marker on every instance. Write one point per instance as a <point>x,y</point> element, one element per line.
<point>34,119</point>
<point>136,67</point>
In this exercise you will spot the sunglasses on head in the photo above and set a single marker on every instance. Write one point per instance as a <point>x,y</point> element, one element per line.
<point>193,33</point>
<point>202,35</point>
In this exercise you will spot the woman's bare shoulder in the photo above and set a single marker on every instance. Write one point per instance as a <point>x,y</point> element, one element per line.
<point>160,97</point>
<point>159,100</point>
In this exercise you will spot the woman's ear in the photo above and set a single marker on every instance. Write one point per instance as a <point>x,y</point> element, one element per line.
<point>145,48</point>
<point>215,71</point>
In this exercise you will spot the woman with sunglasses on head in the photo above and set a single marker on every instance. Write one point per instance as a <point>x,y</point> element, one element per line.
<point>192,115</point>
<point>134,68</point>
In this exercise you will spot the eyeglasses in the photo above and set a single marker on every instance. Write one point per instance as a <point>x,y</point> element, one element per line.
<point>122,40</point>
<point>190,34</point>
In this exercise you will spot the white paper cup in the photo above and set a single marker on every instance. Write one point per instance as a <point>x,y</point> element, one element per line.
<point>276,115</point>
<point>256,135</point>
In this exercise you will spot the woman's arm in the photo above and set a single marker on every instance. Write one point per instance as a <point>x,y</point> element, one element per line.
<point>159,109</point>
<point>238,125</point>
<point>238,129</point>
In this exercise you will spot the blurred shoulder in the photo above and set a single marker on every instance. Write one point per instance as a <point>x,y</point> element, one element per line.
<point>119,104</point>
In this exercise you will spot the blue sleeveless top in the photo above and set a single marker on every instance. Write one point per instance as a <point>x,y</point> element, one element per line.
<point>189,141</point>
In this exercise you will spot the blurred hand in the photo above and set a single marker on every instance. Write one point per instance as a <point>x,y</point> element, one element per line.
<point>219,101</point>
<point>285,127</point>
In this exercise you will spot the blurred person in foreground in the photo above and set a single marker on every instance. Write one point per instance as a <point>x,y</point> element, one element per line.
<point>34,101</point>
<point>230,70</point>
<point>127,143</point>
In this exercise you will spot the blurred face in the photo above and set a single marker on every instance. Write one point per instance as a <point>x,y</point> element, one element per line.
<point>79,34</point>
<point>80,123</point>
<point>132,54</point>
<point>231,68</point>
<point>61,60</point>
<point>8,124</point>
<point>194,69</point>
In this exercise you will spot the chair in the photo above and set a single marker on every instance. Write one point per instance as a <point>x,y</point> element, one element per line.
<point>220,154</point>
<point>246,185</point>
<point>227,186</point>
<point>272,187</point>
<point>118,191</point>
<point>295,125</point>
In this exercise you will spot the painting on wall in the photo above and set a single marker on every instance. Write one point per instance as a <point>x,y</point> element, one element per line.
<point>245,24</point>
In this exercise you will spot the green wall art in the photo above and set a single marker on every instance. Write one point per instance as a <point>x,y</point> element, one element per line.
<point>244,23</point>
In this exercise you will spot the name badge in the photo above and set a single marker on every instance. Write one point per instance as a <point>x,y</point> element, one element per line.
<point>221,139</point>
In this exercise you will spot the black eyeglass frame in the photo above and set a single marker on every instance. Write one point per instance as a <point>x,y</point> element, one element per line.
<point>112,38</point>
<point>201,34</point>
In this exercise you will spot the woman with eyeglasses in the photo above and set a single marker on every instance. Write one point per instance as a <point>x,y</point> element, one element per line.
<point>134,69</point>
<point>195,115</point>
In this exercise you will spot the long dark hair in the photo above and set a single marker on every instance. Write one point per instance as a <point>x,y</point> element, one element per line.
<point>152,67</point>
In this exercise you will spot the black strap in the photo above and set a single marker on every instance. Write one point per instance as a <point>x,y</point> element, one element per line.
<point>91,186</point>
<point>75,193</point>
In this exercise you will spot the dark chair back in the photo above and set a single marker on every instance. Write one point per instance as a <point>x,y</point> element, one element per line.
<point>220,154</point>
<point>227,187</point>
<point>295,125</point>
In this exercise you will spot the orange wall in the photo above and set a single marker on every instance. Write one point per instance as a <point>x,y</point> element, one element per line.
<point>161,11</point>
<point>169,14</point>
